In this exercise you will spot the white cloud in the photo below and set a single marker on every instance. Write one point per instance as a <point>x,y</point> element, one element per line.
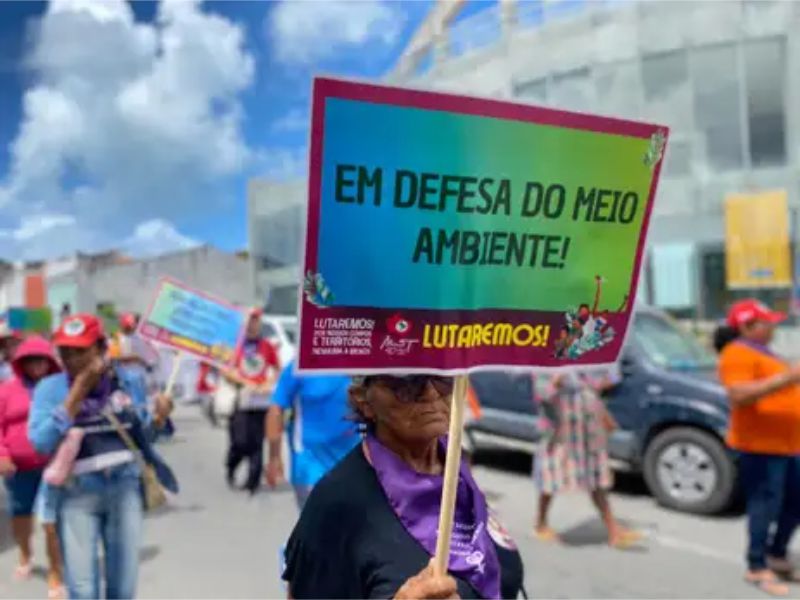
<point>305,32</point>
<point>46,236</point>
<point>126,122</point>
<point>50,236</point>
<point>281,163</point>
<point>155,237</point>
<point>297,119</point>
<point>31,227</point>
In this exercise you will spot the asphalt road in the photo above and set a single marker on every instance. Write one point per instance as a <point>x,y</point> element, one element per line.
<point>216,543</point>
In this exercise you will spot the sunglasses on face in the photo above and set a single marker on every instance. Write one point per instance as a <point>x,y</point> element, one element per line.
<point>411,388</point>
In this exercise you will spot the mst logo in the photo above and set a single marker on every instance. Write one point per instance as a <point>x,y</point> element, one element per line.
<point>253,365</point>
<point>399,326</point>
<point>396,325</point>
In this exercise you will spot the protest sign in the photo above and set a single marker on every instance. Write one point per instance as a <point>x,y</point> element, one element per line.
<point>449,234</point>
<point>31,320</point>
<point>191,321</point>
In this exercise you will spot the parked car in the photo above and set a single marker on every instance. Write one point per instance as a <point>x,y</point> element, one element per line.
<point>281,330</point>
<point>672,416</point>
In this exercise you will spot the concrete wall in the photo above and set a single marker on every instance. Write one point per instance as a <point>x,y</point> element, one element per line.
<point>86,281</point>
<point>130,287</point>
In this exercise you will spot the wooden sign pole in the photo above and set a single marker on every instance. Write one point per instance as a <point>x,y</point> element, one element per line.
<point>451,468</point>
<point>173,374</point>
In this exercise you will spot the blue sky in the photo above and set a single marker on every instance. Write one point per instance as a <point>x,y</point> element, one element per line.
<point>138,125</point>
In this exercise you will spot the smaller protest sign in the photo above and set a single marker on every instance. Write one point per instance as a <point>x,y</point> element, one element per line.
<point>30,320</point>
<point>191,321</point>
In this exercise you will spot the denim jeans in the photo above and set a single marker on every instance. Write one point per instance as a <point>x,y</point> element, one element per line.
<point>103,507</point>
<point>771,485</point>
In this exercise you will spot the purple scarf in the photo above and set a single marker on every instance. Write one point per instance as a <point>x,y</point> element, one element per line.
<point>758,348</point>
<point>93,404</point>
<point>416,498</point>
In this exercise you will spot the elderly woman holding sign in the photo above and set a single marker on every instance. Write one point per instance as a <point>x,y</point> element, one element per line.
<point>369,527</point>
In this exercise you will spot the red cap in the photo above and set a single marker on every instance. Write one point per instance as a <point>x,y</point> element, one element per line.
<point>256,311</point>
<point>79,331</point>
<point>747,311</point>
<point>127,320</point>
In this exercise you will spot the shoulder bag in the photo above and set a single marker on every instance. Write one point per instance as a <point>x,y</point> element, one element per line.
<point>153,493</point>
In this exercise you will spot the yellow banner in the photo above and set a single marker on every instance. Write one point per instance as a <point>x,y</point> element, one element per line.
<point>757,251</point>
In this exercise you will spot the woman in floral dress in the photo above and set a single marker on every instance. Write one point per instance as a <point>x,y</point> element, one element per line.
<point>574,453</point>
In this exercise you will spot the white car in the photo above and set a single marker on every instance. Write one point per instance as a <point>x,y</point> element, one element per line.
<point>281,330</point>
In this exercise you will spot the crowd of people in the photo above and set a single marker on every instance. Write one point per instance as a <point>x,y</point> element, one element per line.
<point>80,413</point>
<point>76,431</point>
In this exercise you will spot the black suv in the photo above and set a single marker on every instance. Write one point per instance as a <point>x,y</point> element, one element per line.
<point>672,416</point>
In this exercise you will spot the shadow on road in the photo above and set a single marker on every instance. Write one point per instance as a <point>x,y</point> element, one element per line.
<point>39,572</point>
<point>592,532</point>
<point>521,463</point>
<point>149,553</point>
<point>630,485</point>
<point>6,541</point>
<point>282,488</point>
<point>171,508</point>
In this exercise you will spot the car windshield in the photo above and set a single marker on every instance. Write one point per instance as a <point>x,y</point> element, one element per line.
<point>291,332</point>
<point>268,331</point>
<point>669,346</point>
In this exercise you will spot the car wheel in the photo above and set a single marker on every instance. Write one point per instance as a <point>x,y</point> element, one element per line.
<point>690,470</point>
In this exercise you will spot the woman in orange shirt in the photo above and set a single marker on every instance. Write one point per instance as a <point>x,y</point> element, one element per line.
<point>764,393</point>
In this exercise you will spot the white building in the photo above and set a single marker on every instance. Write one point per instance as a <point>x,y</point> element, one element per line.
<point>276,220</point>
<point>723,75</point>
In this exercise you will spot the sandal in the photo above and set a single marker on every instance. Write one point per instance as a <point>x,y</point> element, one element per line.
<point>783,569</point>
<point>22,572</point>
<point>767,582</point>
<point>626,539</point>
<point>547,535</point>
<point>58,592</point>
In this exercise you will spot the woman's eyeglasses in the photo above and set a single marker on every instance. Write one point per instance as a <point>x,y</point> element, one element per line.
<point>411,388</point>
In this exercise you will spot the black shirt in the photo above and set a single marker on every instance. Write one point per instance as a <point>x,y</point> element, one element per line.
<point>349,543</point>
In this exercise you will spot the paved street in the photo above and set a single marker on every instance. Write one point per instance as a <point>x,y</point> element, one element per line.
<point>214,543</point>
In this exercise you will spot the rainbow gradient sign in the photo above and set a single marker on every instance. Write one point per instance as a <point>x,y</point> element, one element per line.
<point>449,233</point>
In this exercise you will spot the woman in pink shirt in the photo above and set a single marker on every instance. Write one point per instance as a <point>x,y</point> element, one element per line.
<point>20,465</point>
